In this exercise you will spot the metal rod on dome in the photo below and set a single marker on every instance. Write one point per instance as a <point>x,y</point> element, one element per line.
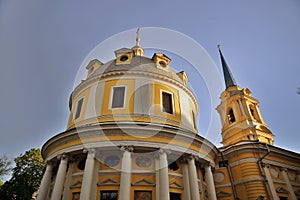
<point>138,37</point>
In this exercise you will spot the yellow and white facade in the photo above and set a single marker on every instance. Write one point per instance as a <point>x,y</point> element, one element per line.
<point>132,135</point>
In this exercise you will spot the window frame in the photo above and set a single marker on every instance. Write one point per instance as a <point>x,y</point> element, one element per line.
<point>112,96</point>
<point>172,99</point>
<point>76,115</point>
<point>109,191</point>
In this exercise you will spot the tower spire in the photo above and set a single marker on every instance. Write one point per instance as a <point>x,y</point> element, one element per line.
<point>228,77</point>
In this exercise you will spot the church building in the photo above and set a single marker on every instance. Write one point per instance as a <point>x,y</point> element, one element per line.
<point>132,135</point>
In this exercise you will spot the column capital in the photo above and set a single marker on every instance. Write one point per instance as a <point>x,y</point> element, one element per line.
<point>127,148</point>
<point>283,169</point>
<point>166,151</point>
<point>62,157</point>
<point>89,150</point>
<point>49,162</point>
<point>265,165</point>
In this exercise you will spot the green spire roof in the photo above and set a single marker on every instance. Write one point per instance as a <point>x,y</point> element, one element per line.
<point>228,77</point>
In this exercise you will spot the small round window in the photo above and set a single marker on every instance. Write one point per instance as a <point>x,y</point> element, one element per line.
<point>111,161</point>
<point>143,161</point>
<point>124,58</point>
<point>162,64</point>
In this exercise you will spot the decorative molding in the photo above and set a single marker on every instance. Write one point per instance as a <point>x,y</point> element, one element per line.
<point>282,190</point>
<point>174,184</point>
<point>108,182</point>
<point>77,184</point>
<point>143,182</point>
<point>223,194</point>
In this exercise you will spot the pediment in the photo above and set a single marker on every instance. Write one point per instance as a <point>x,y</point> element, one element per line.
<point>174,184</point>
<point>223,194</point>
<point>282,190</point>
<point>143,182</point>
<point>108,182</point>
<point>77,184</point>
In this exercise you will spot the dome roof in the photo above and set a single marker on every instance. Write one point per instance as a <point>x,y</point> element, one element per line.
<point>137,63</point>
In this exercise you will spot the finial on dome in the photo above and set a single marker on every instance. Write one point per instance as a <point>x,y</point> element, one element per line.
<point>137,49</point>
<point>138,37</point>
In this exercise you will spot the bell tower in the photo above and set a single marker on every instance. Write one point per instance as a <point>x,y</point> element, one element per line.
<point>239,112</point>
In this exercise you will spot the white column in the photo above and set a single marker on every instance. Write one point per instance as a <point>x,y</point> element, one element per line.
<point>193,179</point>
<point>201,184</point>
<point>68,181</point>
<point>288,183</point>
<point>164,193</point>
<point>125,182</point>
<point>186,183</point>
<point>60,178</point>
<point>298,176</point>
<point>87,179</point>
<point>95,180</point>
<point>156,176</point>
<point>45,183</point>
<point>270,181</point>
<point>210,183</point>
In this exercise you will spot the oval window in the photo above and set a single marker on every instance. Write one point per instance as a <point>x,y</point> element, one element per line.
<point>124,58</point>
<point>162,64</point>
<point>111,161</point>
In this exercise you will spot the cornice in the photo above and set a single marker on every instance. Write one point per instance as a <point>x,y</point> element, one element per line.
<point>260,148</point>
<point>140,130</point>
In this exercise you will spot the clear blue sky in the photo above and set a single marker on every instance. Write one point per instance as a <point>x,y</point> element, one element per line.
<point>43,43</point>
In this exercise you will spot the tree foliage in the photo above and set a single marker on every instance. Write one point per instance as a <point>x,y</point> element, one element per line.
<point>5,166</point>
<point>26,176</point>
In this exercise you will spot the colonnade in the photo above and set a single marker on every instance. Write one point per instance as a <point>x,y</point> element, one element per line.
<point>189,170</point>
<point>271,184</point>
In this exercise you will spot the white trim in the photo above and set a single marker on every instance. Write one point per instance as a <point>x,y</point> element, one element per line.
<point>161,101</point>
<point>111,96</point>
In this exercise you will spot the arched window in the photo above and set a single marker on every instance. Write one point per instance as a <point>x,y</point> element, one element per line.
<point>230,116</point>
<point>253,112</point>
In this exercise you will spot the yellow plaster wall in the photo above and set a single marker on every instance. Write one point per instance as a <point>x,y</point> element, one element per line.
<point>158,87</point>
<point>84,94</point>
<point>129,97</point>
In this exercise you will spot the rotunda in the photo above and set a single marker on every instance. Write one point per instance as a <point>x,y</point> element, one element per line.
<point>131,135</point>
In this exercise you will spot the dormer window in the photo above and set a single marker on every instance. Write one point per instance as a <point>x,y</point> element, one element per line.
<point>230,116</point>
<point>161,60</point>
<point>123,56</point>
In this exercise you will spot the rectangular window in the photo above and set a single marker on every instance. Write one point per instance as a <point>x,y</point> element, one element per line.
<point>142,195</point>
<point>75,196</point>
<point>167,102</point>
<point>175,196</point>
<point>194,120</point>
<point>118,97</point>
<point>109,195</point>
<point>78,109</point>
